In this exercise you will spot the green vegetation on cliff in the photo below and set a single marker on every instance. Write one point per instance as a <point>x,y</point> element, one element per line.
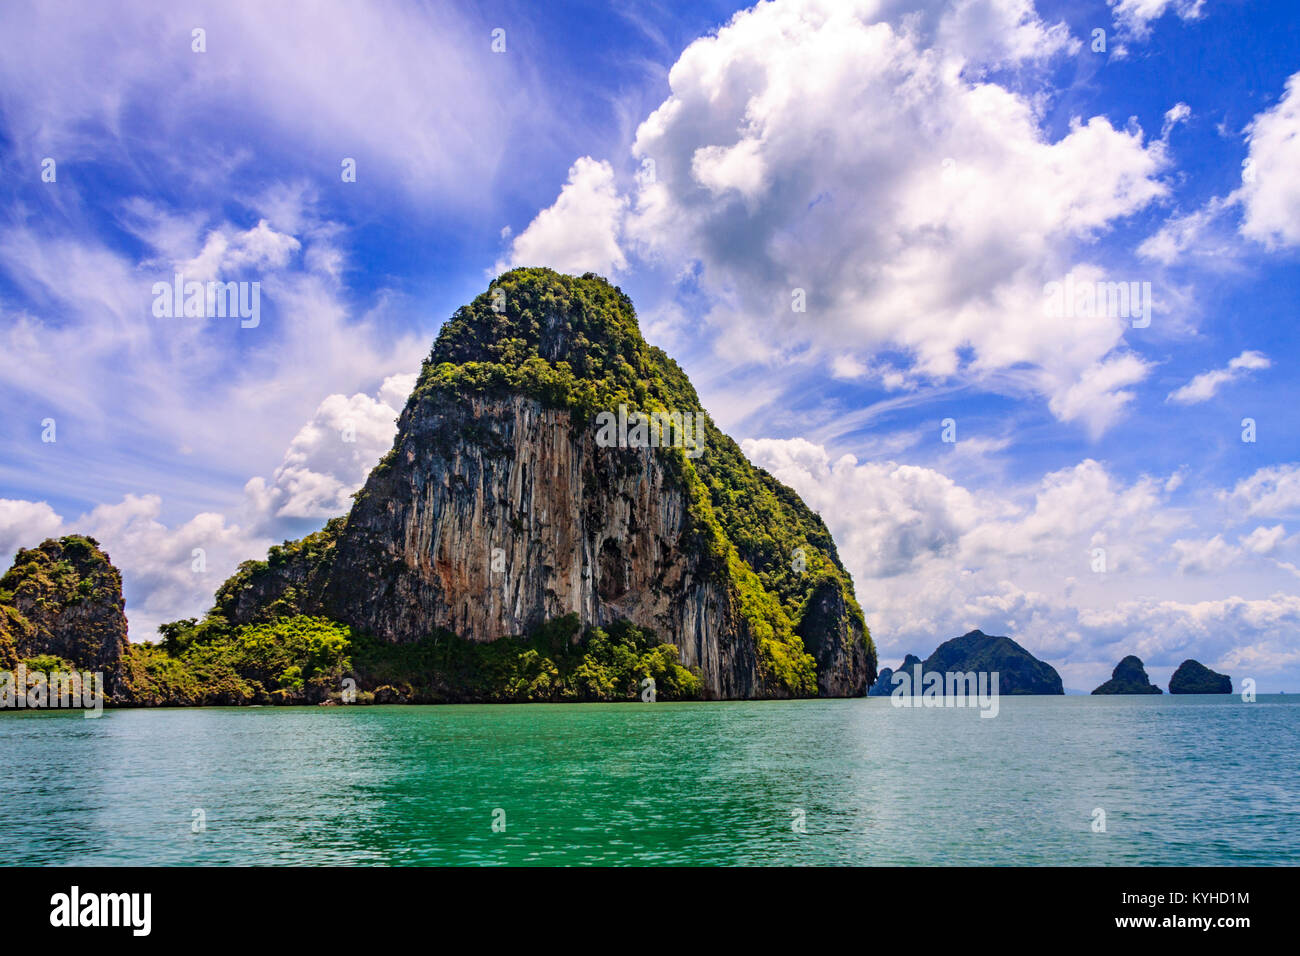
<point>55,575</point>
<point>1019,672</point>
<point>764,567</point>
<point>71,567</point>
<point>303,562</point>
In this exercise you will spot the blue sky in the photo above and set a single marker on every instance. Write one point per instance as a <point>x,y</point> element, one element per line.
<point>921,171</point>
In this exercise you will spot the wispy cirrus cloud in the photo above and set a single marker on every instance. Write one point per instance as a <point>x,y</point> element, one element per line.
<point>412,92</point>
<point>1205,386</point>
<point>1262,211</point>
<point>1136,16</point>
<point>86,347</point>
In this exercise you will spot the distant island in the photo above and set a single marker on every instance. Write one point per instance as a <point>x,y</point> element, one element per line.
<point>1193,677</point>
<point>884,685</point>
<point>1019,672</point>
<point>1129,677</point>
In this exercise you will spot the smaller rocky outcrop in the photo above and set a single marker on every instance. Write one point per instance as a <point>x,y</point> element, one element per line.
<point>1193,677</point>
<point>884,685</point>
<point>1128,677</point>
<point>63,599</point>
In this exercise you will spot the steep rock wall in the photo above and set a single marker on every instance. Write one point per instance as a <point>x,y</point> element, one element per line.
<point>492,516</point>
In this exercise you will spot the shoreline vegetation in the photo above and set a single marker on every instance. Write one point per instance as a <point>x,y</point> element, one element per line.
<point>302,659</point>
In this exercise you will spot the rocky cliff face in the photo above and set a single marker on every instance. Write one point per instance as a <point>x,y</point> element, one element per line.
<point>496,514</point>
<point>500,507</point>
<point>835,638</point>
<point>64,598</point>
<point>1129,677</point>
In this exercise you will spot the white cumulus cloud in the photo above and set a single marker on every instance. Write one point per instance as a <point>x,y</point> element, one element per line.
<point>331,455</point>
<point>1080,567</point>
<point>1271,492</point>
<point>920,208</point>
<point>25,524</point>
<point>1271,179</point>
<point>1136,16</point>
<point>580,232</point>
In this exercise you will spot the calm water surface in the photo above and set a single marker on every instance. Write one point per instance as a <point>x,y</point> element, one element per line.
<point>1182,780</point>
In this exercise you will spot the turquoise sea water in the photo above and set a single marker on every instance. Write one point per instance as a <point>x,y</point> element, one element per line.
<point>1182,780</point>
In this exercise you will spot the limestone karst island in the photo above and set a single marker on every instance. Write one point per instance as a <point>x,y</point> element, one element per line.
<point>505,549</point>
